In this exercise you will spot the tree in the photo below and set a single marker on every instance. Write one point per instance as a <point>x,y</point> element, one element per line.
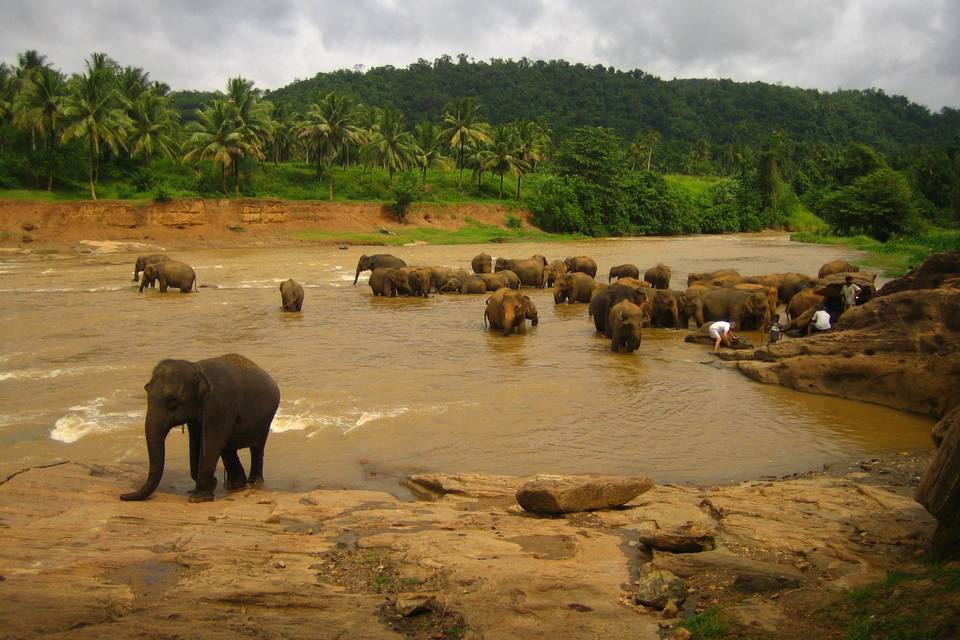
<point>503,154</point>
<point>154,126</point>
<point>879,204</point>
<point>463,127</point>
<point>391,146</point>
<point>429,150</point>
<point>650,141</point>
<point>39,107</point>
<point>531,142</point>
<point>329,126</point>
<point>215,137</point>
<point>93,112</point>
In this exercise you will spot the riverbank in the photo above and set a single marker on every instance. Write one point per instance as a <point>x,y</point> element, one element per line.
<point>891,258</point>
<point>77,562</point>
<point>229,223</point>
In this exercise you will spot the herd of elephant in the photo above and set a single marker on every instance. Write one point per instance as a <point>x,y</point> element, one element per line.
<point>622,306</point>
<point>228,403</point>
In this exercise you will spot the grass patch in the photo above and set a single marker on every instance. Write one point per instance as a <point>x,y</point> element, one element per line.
<point>695,186</point>
<point>920,605</point>
<point>472,233</point>
<point>708,625</point>
<point>895,257</point>
<point>803,220</point>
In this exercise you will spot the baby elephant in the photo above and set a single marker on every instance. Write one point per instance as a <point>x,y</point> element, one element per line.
<point>291,295</point>
<point>143,261</point>
<point>170,273</point>
<point>624,325</point>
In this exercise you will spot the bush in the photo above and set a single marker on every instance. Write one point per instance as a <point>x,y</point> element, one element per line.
<point>556,208</point>
<point>513,221</point>
<point>879,205</point>
<point>161,195</point>
<point>143,180</point>
<point>405,192</point>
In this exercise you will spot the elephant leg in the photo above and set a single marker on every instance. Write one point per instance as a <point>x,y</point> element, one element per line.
<point>256,465</point>
<point>236,477</point>
<point>193,428</point>
<point>163,284</point>
<point>213,440</point>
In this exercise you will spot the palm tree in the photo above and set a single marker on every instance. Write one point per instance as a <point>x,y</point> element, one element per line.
<point>391,146</point>
<point>329,126</point>
<point>40,107</point>
<point>283,128</point>
<point>132,82</point>
<point>253,121</point>
<point>637,151</point>
<point>477,156</point>
<point>216,137</point>
<point>503,154</point>
<point>653,137</point>
<point>531,142</point>
<point>429,151</point>
<point>93,111</point>
<point>462,117</point>
<point>7,92</point>
<point>154,126</point>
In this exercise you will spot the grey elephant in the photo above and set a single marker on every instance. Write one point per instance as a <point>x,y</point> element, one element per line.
<point>553,271</point>
<point>291,295</point>
<point>624,271</point>
<point>143,261</point>
<point>482,263</point>
<point>583,264</point>
<point>410,281</point>
<point>380,281</point>
<point>227,404</point>
<point>506,311</point>
<point>369,263</point>
<point>573,287</point>
<point>605,300</point>
<point>530,270</point>
<point>624,324</point>
<point>170,273</point>
<point>499,280</point>
<point>472,284</point>
<point>658,276</point>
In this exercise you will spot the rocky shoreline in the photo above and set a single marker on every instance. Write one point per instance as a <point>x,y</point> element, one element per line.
<point>468,563</point>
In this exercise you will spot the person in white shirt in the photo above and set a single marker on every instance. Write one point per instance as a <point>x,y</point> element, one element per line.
<point>721,331</point>
<point>820,321</point>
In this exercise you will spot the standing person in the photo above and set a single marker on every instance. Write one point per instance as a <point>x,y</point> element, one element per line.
<point>849,292</point>
<point>776,331</point>
<point>820,321</point>
<point>721,331</point>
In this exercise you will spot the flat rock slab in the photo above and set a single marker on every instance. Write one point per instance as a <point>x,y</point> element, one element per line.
<point>690,537</point>
<point>555,495</point>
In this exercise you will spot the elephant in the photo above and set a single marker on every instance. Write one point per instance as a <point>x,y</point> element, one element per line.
<point>623,270</point>
<point>226,402</point>
<point>773,296</point>
<point>170,273</point>
<point>380,283</point>
<point>482,263</point>
<point>837,266</point>
<point>530,271</point>
<point>597,288</point>
<point>409,281</point>
<point>663,308</point>
<point>633,282</point>
<point>440,275</point>
<point>710,275</point>
<point>728,280</point>
<point>370,263</point>
<point>746,309</point>
<point>506,311</point>
<point>572,288</point>
<point>690,303</point>
<point>801,301</point>
<point>658,276</point>
<point>787,284</point>
<point>143,261</point>
<point>530,311</point>
<point>624,324</point>
<point>472,284</point>
<point>499,280</point>
<point>553,271</point>
<point>605,300</point>
<point>291,295</point>
<point>583,264</point>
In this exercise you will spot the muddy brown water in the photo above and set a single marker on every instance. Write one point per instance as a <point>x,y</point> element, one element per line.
<point>376,388</point>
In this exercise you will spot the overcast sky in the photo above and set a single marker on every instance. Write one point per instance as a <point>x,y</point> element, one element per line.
<point>907,47</point>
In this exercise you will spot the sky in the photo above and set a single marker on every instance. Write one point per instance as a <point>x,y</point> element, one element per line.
<point>904,47</point>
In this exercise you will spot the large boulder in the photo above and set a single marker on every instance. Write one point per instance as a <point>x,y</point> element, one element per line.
<point>940,270</point>
<point>829,286</point>
<point>555,495</point>
<point>939,490</point>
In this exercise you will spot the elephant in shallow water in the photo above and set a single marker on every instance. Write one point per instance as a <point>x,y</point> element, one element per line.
<point>658,276</point>
<point>227,404</point>
<point>169,273</point>
<point>291,295</point>
<point>624,271</point>
<point>583,264</point>
<point>707,276</point>
<point>482,263</point>
<point>747,309</point>
<point>380,283</point>
<point>553,271</point>
<point>530,271</point>
<point>143,261</point>
<point>499,280</point>
<point>608,297</point>
<point>369,263</point>
<point>573,287</point>
<point>507,311</point>
<point>410,281</point>
<point>624,324</point>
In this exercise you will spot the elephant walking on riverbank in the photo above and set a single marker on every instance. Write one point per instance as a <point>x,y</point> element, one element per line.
<point>227,403</point>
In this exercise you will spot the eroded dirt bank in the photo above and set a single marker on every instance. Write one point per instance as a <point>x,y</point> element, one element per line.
<point>197,223</point>
<point>77,562</point>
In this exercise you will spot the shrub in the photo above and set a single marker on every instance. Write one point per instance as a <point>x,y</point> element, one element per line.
<point>513,221</point>
<point>879,205</point>
<point>405,192</point>
<point>161,195</point>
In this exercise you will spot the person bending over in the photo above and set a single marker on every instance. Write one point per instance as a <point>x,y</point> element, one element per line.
<point>820,321</point>
<point>722,332</point>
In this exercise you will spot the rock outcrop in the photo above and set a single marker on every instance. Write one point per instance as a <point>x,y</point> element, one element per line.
<point>555,495</point>
<point>940,270</point>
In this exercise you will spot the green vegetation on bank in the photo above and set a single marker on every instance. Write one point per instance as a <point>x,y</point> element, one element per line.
<point>894,257</point>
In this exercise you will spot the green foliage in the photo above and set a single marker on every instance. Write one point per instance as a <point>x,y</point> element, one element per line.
<point>708,625</point>
<point>161,195</point>
<point>894,257</point>
<point>513,221</point>
<point>405,191</point>
<point>879,204</point>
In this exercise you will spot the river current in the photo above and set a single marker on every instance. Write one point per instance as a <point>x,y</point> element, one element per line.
<point>374,388</point>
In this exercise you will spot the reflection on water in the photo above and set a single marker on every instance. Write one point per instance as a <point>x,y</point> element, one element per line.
<point>405,384</point>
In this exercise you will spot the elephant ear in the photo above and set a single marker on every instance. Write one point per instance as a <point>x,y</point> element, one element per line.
<point>202,383</point>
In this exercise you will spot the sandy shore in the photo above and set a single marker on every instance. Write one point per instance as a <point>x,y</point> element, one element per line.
<point>77,562</point>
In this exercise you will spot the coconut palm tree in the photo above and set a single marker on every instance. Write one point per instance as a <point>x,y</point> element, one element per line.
<point>132,82</point>
<point>93,111</point>
<point>251,112</point>
<point>39,106</point>
<point>531,142</point>
<point>502,155</point>
<point>390,146</point>
<point>653,137</point>
<point>637,151</point>
<point>216,137</point>
<point>154,127</point>
<point>429,148</point>
<point>464,127</point>
<point>329,125</point>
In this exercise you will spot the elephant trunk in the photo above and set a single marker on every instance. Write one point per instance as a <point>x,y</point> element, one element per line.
<point>356,276</point>
<point>156,448</point>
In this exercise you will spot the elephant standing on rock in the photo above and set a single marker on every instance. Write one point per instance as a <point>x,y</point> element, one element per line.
<point>609,296</point>
<point>499,280</point>
<point>227,404</point>
<point>291,295</point>
<point>530,271</point>
<point>572,288</point>
<point>624,324</point>
<point>143,261</point>
<point>658,276</point>
<point>624,271</point>
<point>583,264</point>
<point>482,263</point>
<point>506,311</point>
<point>376,261</point>
<point>169,273</point>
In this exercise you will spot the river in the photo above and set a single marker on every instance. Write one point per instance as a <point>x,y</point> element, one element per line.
<point>374,388</point>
